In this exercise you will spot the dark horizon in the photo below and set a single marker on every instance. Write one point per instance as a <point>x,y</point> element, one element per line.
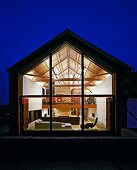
<point>25,26</point>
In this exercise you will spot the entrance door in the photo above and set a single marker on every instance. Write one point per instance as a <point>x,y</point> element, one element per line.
<point>108,112</point>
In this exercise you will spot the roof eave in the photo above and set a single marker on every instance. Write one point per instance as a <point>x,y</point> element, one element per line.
<point>60,39</point>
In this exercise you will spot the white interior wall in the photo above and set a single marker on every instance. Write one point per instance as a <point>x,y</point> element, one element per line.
<point>101,109</point>
<point>104,87</point>
<point>31,88</point>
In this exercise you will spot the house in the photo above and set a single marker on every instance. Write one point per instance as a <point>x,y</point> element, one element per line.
<point>65,86</point>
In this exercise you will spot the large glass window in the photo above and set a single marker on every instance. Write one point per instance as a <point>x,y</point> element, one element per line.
<point>66,91</point>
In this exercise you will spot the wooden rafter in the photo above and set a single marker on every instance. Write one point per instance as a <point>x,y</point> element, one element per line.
<point>77,67</point>
<point>60,61</point>
<point>68,64</point>
<point>75,71</point>
<point>47,69</point>
<point>34,75</point>
<point>41,79</point>
<point>63,71</point>
<point>102,74</point>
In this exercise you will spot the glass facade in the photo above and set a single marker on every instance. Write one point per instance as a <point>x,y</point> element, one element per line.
<point>66,91</point>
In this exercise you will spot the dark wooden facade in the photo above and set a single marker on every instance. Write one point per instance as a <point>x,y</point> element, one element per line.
<point>118,69</point>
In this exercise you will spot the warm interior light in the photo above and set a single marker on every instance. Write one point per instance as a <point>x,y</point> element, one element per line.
<point>85,70</point>
<point>30,77</point>
<point>107,75</point>
<point>40,83</point>
<point>98,82</point>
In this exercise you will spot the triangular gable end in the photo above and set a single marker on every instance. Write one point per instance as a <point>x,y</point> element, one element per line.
<point>100,57</point>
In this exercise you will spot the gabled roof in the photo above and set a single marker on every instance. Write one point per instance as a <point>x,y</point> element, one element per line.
<point>85,47</point>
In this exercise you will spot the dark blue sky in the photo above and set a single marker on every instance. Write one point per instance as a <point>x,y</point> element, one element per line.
<point>25,25</point>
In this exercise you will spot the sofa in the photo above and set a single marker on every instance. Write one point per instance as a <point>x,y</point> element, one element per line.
<point>45,125</point>
<point>73,120</point>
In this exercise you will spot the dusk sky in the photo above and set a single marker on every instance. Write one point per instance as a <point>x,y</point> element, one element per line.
<point>25,25</point>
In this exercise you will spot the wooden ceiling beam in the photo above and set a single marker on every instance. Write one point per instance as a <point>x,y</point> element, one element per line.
<point>93,79</point>
<point>46,79</point>
<point>40,79</point>
<point>69,79</point>
<point>59,62</point>
<point>75,71</point>
<point>33,75</point>
<point>78,79</point>
<point>103,74</point>
<point>69,85</point>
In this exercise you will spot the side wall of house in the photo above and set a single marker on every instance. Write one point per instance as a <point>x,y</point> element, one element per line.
<point>13,104</point>
<point>120,102</point>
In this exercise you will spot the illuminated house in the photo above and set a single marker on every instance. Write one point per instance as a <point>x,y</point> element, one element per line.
<point>66,86</point>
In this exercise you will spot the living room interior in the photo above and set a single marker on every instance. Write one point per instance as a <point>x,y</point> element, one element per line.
<point>62,87</point>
